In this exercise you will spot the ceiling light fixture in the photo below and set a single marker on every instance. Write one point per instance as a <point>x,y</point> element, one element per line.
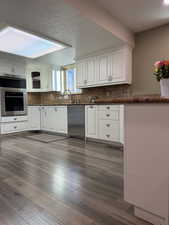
<point>25,44</point>
<point>166,2</point>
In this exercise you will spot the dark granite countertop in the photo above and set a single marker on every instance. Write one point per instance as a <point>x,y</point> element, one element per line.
<point>119,100</point>
<point>134,99</point>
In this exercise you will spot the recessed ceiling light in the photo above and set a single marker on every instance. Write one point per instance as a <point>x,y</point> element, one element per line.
<point>22,43</point>
<point>166,2</point>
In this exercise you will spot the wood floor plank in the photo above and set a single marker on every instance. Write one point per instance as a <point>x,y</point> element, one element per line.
<point>66,182</point>
<point>48,202</point>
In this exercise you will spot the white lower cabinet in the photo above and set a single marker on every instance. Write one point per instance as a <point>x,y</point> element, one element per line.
<point>105,122</point>
<point>91,124</point>
<point>53,118</point>
<point>61,119</point>
<point>34,117</point>
<point>14,124</point>
<point>109,130</point>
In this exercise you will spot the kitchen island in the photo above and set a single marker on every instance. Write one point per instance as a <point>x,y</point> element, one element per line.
<point>146,160</point>
<point>146,156</point>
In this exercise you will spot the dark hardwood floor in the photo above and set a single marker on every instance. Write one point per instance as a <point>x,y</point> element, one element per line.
<point>66,182</point>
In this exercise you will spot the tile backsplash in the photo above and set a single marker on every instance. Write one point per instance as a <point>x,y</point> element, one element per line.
<point>106,92</point>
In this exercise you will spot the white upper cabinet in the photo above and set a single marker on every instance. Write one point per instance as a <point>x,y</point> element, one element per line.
<point>12,67</point>
<point>110,68</point>
<point>39,78</point>
<point>102,75</point>
<point>82,74</point>
<point>91,73</point>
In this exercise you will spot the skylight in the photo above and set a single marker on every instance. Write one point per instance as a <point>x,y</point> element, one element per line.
<point>21,43</point>
<point>166,2</point>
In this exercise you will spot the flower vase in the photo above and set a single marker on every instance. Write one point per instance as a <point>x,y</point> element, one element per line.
<point>164,85</point>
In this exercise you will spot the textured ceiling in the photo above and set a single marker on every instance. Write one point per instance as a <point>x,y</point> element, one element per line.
<point>51,17</point>
<point>57,20</point>
<point>138,15</point>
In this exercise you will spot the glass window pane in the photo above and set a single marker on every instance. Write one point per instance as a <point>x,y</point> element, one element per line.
<point>70,80</point>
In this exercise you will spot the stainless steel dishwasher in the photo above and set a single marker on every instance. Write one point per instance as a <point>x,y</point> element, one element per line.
<point>76,121</point>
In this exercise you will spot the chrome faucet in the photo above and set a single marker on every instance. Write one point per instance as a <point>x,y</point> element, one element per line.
<point>68,93</point>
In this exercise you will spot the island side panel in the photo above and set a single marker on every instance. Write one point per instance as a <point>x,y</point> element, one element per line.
<point>146,157</point>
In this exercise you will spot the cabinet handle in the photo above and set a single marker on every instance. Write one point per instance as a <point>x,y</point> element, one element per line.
<point>85,81</point>
<point>108,135</point>
<point>107,115</point>
<point>56,109</point>
<point>91,107</point>
<point>108,125</point>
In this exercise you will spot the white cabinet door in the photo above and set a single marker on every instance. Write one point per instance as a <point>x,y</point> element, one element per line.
<point>5,67</point>
<point>54,118</point>
<point>19,69</point>
<point>29,70</point>
<point>91,124</point>
<point>28,79</point>
<point>61,119</point>
<point>44,121</point>
<point>46,78</point>
<point>118,65</point>
<point>34,117</point>
<point>103,69</point>
<point>91,71</point>
<point>50,118</point>
<point>81,74</point>
<point>45,72</point>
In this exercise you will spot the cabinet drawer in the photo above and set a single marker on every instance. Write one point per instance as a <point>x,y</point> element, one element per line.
<point>109,130</point>
<point>109,115</point>
<point>108,108</point>
<point>13,127</point>
<point>13,119</point>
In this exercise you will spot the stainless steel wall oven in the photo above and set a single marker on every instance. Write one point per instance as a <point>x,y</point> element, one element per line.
<point>13,96</point>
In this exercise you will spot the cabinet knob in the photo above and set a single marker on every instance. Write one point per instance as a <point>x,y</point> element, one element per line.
<point>108,135</point>
<point>85,81</point>
<point>107,115</point>
<point>108,125</point>
<point>15,127</point>
<point>108,107</point>
<point>15,118</point>
<point>56,109</point>
<point>91,107</point>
